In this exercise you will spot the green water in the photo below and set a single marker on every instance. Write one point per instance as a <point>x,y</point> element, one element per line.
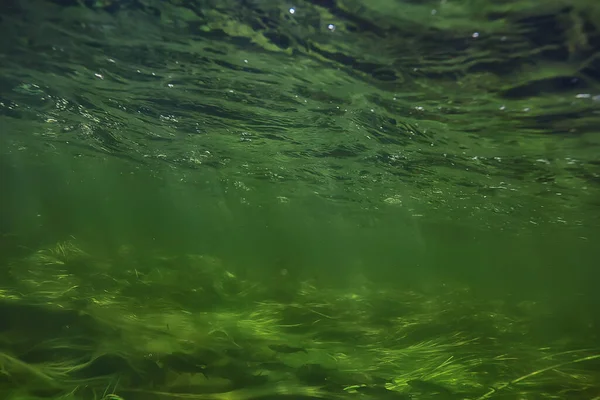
<point>266,200</point>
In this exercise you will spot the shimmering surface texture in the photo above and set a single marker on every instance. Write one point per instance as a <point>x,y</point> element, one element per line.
<point>451,108</point>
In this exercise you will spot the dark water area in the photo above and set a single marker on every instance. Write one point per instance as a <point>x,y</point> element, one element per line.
<point>324,199</point>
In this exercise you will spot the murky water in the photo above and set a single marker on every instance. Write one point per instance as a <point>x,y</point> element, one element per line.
<point>414,145</point>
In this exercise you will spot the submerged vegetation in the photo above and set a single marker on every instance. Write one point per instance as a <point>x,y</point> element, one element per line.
<point>79,326</point>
